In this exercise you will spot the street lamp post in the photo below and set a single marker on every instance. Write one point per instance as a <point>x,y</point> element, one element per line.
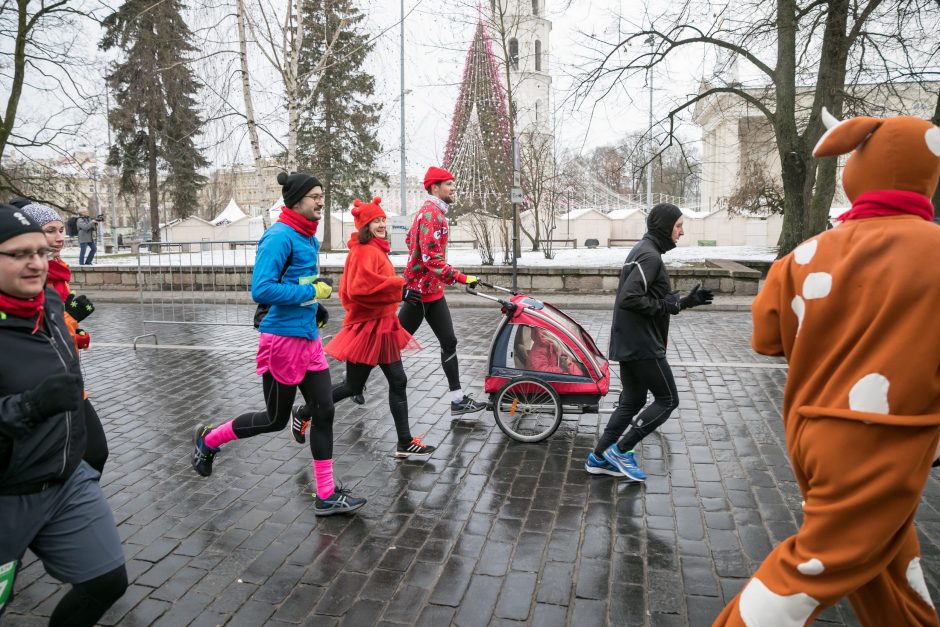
<point>649,164</point>
<point>402,173</point>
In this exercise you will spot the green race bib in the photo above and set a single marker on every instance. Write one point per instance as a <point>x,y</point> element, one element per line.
<point>7,572</point>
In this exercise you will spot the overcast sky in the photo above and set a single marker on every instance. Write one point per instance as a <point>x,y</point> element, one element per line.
<point>437,36</point>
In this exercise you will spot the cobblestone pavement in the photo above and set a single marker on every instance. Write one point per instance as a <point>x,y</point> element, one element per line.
<point>488,532</point>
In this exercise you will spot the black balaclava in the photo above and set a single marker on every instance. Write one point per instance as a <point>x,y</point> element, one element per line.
<point>295,186</point>
<point>659,223</point>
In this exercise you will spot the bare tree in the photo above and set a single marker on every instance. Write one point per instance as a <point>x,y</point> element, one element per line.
<point>39,63</point>
<point>250,119</point>
<point>281,47</point>
<point>217,193</point>
<point>537,169</point>
<point>817,42</point>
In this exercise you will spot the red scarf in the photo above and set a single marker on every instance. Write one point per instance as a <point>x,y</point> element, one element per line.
<point>24,307</point>
<point>383,244</point>
<point>297,222</point>
<point>59,277</point>
<point>889,202</point>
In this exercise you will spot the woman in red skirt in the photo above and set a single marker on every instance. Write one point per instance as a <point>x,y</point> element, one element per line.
<point>372,335</point>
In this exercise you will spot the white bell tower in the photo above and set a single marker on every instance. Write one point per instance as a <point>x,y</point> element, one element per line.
<point>527,33</point>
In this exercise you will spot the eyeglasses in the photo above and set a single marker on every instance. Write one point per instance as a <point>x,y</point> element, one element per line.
<point>23,256</point>
<point>315,197</point>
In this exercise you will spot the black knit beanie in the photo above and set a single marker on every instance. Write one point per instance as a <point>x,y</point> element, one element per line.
<point>19,202</point>
<point>659,223</point>
<point>295,186</point>
<point>14,222</point>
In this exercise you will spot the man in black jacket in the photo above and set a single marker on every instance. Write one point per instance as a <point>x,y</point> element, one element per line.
<point>638,337</point>
<point>50,501</point>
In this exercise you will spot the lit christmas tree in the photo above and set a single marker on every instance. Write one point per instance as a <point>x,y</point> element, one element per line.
<point>479,149</point>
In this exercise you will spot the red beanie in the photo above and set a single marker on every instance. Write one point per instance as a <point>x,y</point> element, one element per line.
<point>366,212</point>
<point>436,175</point>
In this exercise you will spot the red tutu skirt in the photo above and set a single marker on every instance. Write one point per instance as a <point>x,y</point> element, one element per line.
<point>372,342</point>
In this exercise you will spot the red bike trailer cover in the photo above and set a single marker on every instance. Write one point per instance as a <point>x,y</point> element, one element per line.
<point>571,334</point>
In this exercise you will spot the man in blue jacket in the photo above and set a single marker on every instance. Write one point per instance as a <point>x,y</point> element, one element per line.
<point>290,354</point>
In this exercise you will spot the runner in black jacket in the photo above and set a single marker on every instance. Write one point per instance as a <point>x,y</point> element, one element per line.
<point>638,337</point>
<point>50,500</point>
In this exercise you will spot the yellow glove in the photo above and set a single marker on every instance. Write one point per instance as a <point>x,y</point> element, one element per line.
<point>472,280</point>
<point>323,287</point>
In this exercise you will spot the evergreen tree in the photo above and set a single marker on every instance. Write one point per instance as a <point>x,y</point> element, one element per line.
<point>336,140</point>
<point>155,119</point>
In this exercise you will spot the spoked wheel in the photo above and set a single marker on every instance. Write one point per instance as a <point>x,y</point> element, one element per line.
<point>527,409</point>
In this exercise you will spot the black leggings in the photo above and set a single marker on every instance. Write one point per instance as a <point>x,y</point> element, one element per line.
<point>638,377</point>
<point>87,602</point>
<point>279,399</point>
<point>438,316</point>
<point>96,448</point>
<point>356,375</point>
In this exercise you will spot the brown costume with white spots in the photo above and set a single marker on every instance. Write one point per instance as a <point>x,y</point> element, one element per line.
<point>855,311</point>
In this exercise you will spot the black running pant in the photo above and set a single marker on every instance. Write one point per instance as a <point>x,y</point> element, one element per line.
<point>356,375</point>
<point>87,602</point>
<point>96,447</point>
<point>437,313</point>
<point>279,399</point>
<point>638,378</point>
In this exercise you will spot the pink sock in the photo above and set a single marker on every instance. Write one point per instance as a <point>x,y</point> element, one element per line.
<point>323,471</point>
<point>220,435</point>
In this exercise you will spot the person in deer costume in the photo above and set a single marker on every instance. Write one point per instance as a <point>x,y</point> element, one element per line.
<point>854,310</point>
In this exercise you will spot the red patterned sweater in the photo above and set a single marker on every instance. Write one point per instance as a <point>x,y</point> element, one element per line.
<point>427,270</point>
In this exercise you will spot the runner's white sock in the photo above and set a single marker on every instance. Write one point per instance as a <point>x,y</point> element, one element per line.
<point>456,396</point>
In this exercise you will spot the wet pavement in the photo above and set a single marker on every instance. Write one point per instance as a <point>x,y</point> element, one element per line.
<point>487,532</point>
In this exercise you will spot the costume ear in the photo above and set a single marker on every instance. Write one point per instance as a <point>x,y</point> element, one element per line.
<point>376,200</point>
<point>844,137</point>
<point>356,202</point>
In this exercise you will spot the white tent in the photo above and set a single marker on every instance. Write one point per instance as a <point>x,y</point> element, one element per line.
<point>231,213</point>
<point>275,211</point>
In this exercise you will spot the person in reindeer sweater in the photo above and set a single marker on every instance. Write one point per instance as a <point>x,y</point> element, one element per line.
<point>427,272</point>
<point>854,312</point>
<point>77,308</point>
<point>372,335</point>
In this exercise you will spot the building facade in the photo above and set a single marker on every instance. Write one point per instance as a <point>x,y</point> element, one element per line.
<point>738,142</point>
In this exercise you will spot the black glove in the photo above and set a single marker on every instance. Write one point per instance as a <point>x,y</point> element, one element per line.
<point>698,296</point>
<point>58,393</point>
<point>410,296</point>
<point>671,303</point>
<point>323,316</point>
<point>79,307</point>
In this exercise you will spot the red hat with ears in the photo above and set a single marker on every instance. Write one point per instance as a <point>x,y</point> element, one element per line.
<point>366,212</point>
<point>436,175</point>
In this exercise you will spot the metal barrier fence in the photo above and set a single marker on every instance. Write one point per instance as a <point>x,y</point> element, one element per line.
<point>178,280</point>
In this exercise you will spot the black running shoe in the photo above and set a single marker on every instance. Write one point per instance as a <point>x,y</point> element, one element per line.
<point>299,424</point>
<point>465,406</point>
<point>414,450</point>
<point>359,399</point>
<point>340,502</point>
<point>203,454</point>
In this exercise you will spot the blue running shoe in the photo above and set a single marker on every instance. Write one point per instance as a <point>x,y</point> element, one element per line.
<point>340,502</point>
<point>625,463</point>
<point>600,466</point>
